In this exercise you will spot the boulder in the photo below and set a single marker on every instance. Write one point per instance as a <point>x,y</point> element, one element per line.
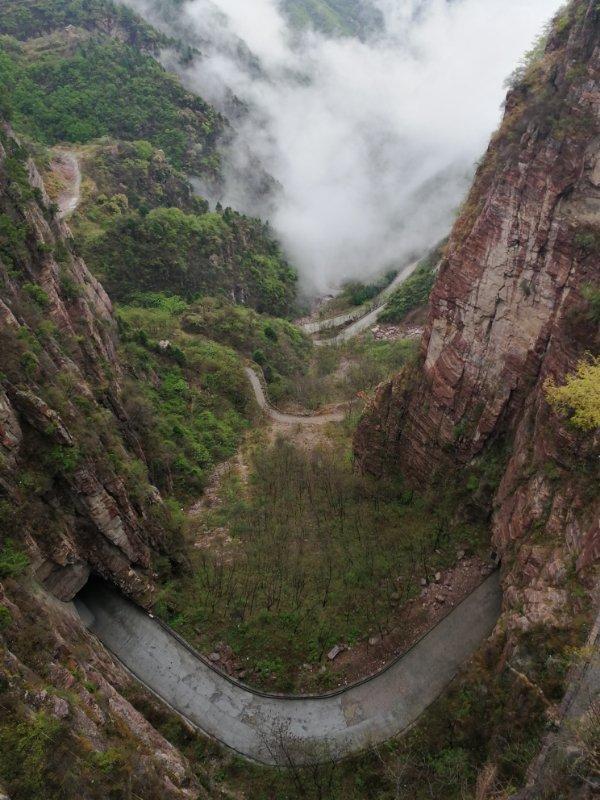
<point>334,652</point>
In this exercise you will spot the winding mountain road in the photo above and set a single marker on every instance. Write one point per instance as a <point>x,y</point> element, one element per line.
<point>284,730</point>
<point>359,318</point>
<point>329,323</point>
<point>287,419</point>
<point>279,729</point>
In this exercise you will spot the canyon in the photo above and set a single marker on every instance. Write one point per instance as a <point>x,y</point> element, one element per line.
<point>463,444</point>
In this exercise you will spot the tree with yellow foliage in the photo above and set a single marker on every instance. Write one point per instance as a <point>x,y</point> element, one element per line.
<point>580,394</point>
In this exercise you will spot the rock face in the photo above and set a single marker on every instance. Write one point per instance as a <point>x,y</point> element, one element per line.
<point>51,300</point>
<point>65,497</point>
<point>508,311</point>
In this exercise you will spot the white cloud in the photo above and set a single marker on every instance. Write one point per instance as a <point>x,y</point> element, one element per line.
<point>372,142</point>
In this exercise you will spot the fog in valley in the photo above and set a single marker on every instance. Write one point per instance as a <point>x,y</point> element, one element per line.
<point>372,143</point>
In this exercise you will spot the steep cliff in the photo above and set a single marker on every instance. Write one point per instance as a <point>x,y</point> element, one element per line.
<point>59,371</point>
<point>513,308</point>
<point>74,498</point>
<point>509,311</point>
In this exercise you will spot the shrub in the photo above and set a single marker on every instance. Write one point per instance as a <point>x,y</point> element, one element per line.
<point>164,302</point>
<point>12,238</point>
<point>37,294</point>
<point>13,562</point>
<point>27,749</point>
<point>588,240</point>
<point>6,108</point>
<point>5,618</point>
<point>452,765</point>
<point>587,763</point>
<point>579,395</point>
<point>62,460</point>
<point>270,332</point>
<point>69,288</point>
<point>29,362</point>
<point>359,293</point>
<point>592,295</point>
<point>411,294</point>
<point>259,357</point>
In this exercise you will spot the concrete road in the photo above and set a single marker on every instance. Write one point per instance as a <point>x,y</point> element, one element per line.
<point>287,419</point>
<point>366,320</point>
<point>334,322</point>
<point>275,729</point>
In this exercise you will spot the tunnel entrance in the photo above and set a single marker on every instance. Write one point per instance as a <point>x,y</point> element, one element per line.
<point>63,581</point>
<point>94,588</point>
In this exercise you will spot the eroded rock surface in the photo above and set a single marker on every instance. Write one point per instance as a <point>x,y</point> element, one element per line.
<point>65,497</point>
<point>508,312</point>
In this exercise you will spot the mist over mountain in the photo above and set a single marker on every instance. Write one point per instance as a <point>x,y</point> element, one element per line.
<point>339,17</point>
<point>373,142</point>
<point>262,543</point>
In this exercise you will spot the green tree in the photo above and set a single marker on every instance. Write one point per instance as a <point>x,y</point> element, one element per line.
<point>579,395</point>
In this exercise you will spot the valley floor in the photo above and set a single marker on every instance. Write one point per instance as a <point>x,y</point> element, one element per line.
<point>290,586</point>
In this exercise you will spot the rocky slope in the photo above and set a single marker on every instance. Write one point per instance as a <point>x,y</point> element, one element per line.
<point>58,333</point>
<point>71,501</point>
<point>509,311</point>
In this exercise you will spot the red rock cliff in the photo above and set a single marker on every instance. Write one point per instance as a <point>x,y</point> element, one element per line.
<point>508,310</point>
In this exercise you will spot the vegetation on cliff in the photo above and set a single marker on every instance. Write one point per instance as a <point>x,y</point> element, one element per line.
<point>413,292</point>
<point>512,317</point>
<point>338,17</point>
<point>110,422</point>
<point>72,478</point>
<point>579,395</point>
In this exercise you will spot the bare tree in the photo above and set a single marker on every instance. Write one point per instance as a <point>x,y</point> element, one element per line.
<point>311,765</point>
